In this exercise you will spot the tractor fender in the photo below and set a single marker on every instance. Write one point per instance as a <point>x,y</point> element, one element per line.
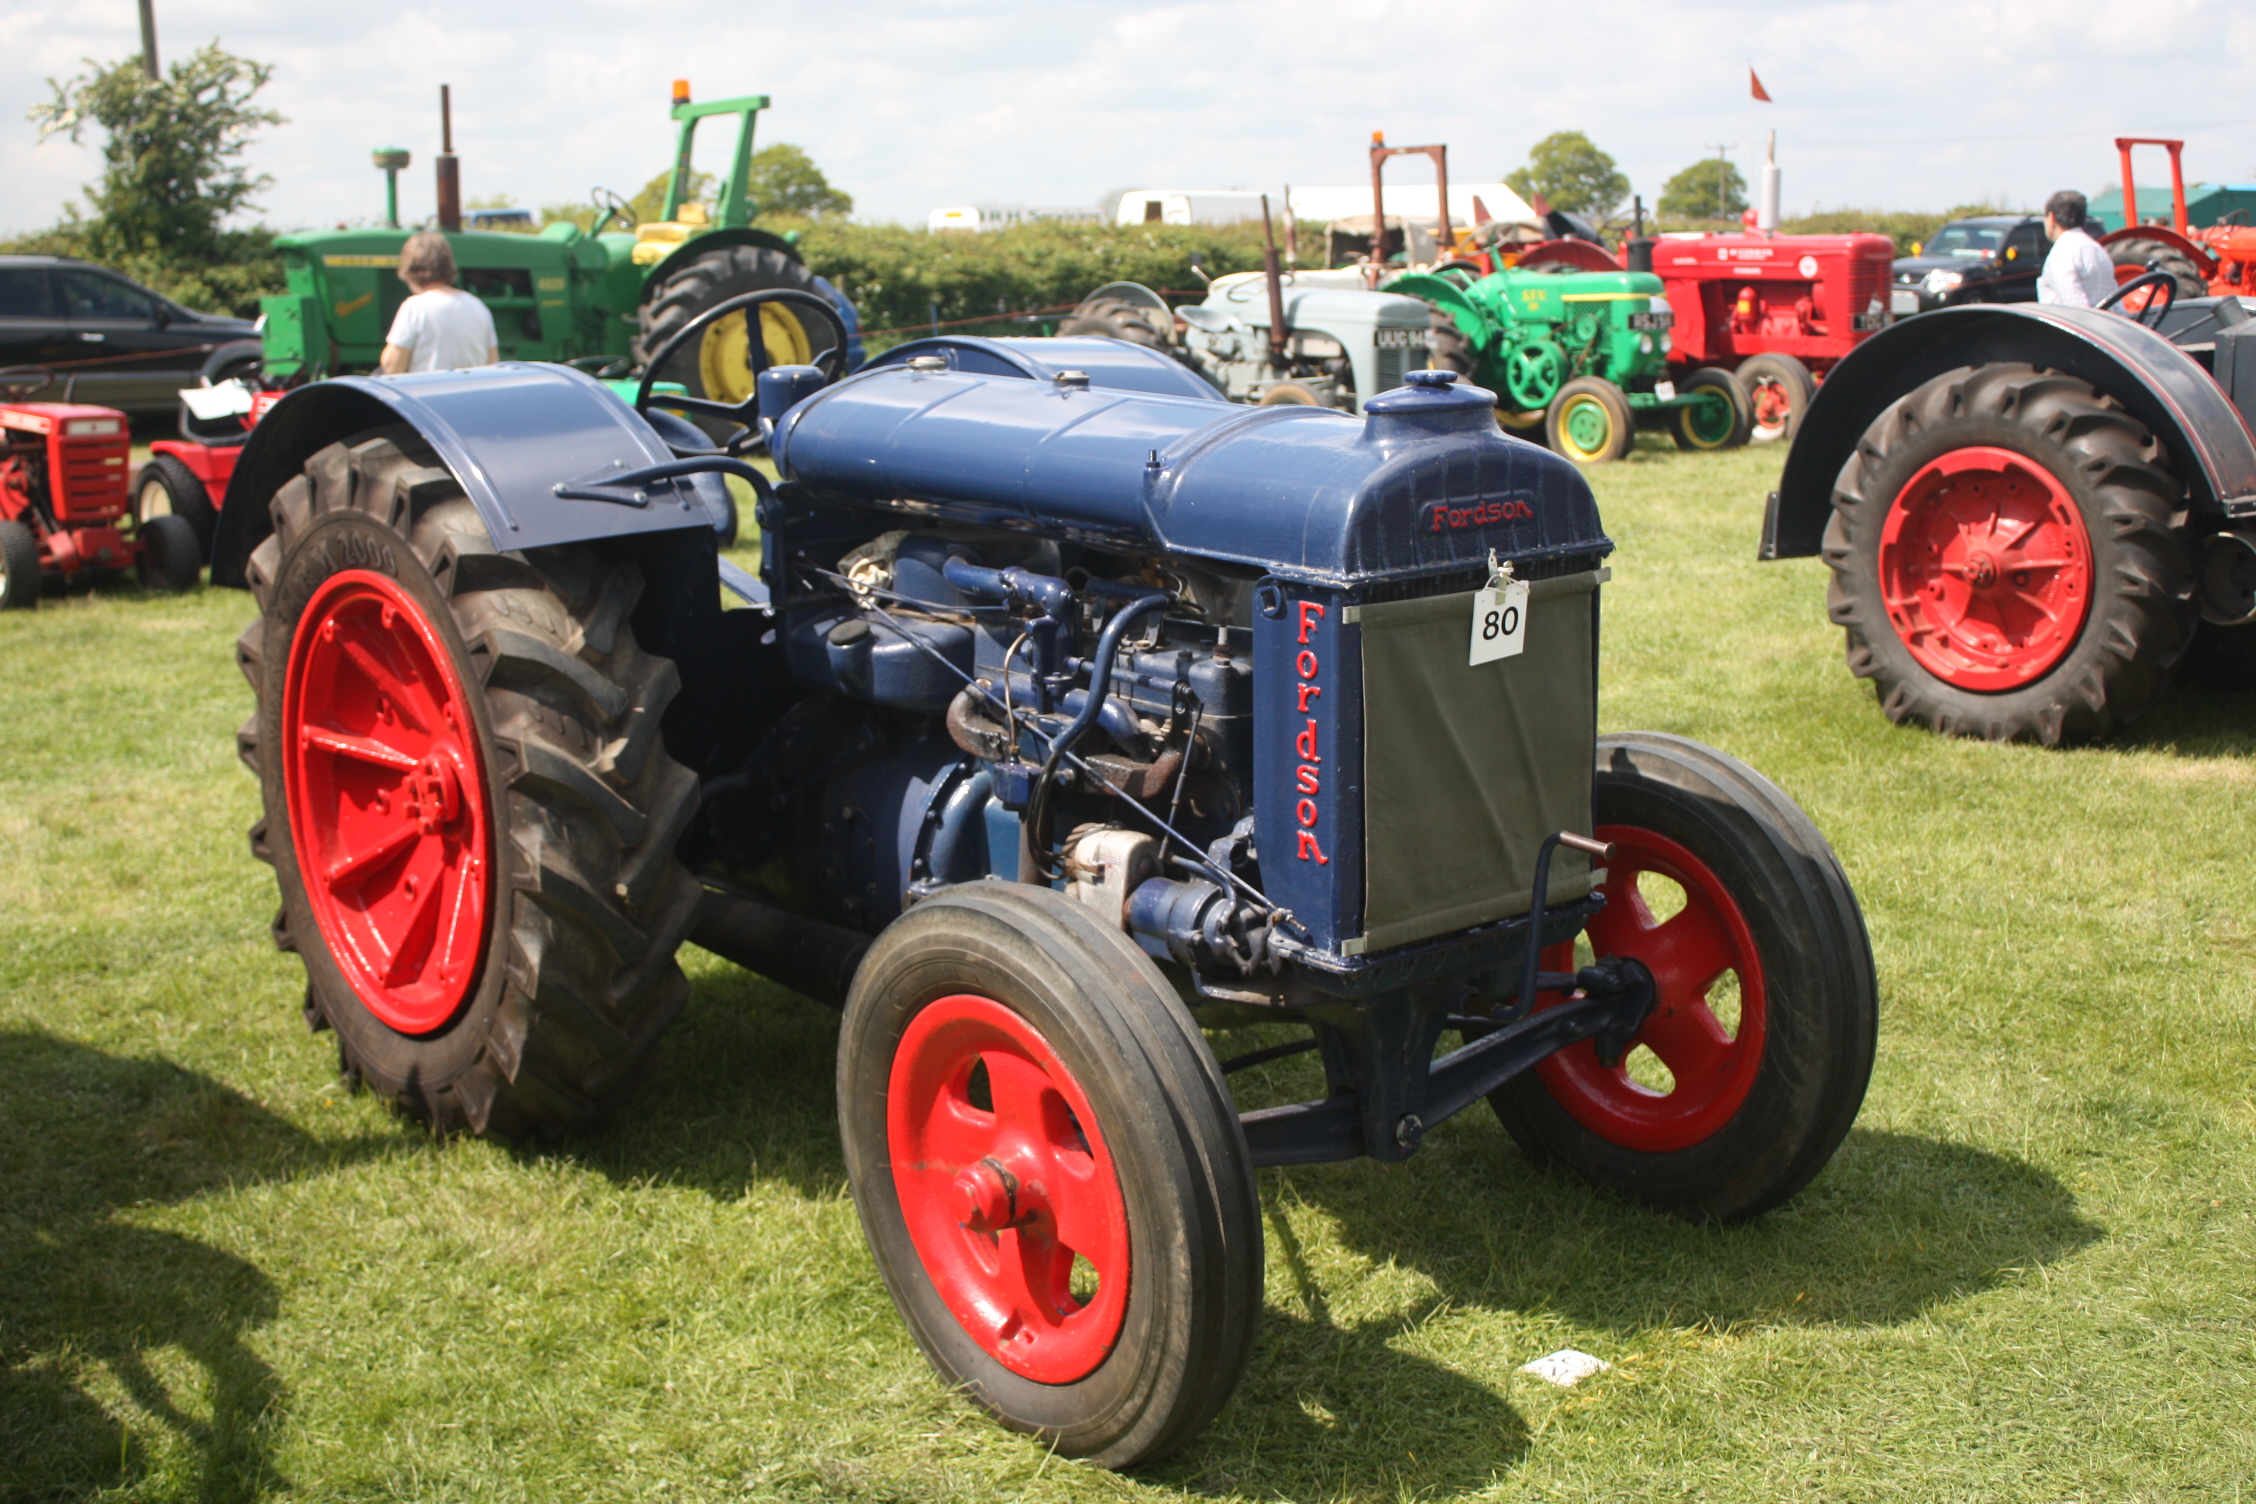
<point>1577,255</point>
<point>711,240</point>
<point>1450,299</point>
<point>2210,446</point>
<point>2204,259</point>
<point>509,433</point>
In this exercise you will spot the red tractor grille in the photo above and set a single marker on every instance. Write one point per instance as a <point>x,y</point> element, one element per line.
<point>90,482</point>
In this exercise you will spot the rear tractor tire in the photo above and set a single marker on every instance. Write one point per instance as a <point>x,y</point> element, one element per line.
<point>2008,560</point>
<point>1109,318</point>
<point>468,805</point>
<point>1780,389</point>
<point>1589,422</point>
<point>719,365</point>
<point>19,568</point>
<point>2143,255</point>
<point>1749,1070</point>
<point>1050,1172</point>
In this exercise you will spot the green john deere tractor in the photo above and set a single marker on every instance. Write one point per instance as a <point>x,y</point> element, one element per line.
<point>1580,355</point>
<point>612,294</point>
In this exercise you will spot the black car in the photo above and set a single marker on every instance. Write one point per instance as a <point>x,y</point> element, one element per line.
<point>109,340</point>
<point>1992,259</point>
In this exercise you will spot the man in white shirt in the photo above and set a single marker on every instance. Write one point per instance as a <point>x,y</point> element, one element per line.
<point>440,327</point>
<point>2077,271</point>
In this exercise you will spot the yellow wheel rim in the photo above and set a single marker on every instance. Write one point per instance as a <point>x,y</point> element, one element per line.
<point>1519,422</point>
<point>1688,423</point>
<point>724,366</point>
<point>1586,429</point>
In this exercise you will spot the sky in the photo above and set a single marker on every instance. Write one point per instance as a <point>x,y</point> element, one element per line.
<point>1903,105</point>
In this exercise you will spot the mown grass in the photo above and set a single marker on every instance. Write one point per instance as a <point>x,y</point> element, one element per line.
<point>2027,1276</point>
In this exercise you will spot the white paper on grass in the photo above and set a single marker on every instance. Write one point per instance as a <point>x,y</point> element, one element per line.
<point>1566,1367</point>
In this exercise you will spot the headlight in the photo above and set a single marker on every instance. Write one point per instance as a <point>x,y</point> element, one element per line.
<point>1645,344</point>
<point>1666,344</point>
<point>1940,281</point>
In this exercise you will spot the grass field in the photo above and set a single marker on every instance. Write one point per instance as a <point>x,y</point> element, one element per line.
<point>2029,1275</point>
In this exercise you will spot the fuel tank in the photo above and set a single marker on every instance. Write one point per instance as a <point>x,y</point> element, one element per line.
<point>1423,484</point>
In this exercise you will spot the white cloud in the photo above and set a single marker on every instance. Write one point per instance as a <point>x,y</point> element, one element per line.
<point>1909,105</point>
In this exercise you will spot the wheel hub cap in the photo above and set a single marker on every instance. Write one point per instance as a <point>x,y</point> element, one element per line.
<point>1694,954</point>
<point>1986,569</point>
<point>388,806</point>
<point>1008,1191</point>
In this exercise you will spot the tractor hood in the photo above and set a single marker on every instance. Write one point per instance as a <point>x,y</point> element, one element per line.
<point>1424,484</point>
<point>1246,300</point>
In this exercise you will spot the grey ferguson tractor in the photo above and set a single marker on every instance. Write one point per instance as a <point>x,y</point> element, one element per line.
<point>1073,712</point>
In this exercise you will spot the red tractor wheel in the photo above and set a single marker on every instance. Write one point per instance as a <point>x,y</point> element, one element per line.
<point>1754,1060</point>
<point>469,809</point>
<point>1050,1172</point>
<point>2006,561</point>
<point>1779,390</point>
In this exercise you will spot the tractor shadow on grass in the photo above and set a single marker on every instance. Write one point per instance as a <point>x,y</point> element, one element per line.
<point>1896,1225</point>
<point>91,1303</point>
<point>740,1091</point>
<point>1341,1412</point>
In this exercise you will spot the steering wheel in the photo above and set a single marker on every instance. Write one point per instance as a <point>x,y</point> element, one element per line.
<point>831,361</point>
<point>613,207</point>
<point>18,382</point>
<point>2155,307</point>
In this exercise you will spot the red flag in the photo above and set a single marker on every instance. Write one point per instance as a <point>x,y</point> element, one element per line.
<point>1756,83</point>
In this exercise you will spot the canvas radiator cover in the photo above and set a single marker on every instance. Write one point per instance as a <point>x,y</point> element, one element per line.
<point>1468,767</point>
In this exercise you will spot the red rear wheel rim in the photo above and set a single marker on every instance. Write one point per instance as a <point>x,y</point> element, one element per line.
<point>1692,954</point>
<point>1986,569</point>
<point>387,798</point>
<point>1772,406</point>
<point>999,1200</point>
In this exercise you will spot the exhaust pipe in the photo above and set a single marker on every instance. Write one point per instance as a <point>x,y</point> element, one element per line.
<point>811,958</point>
<point>2226,592</point>
<point>450,168</point>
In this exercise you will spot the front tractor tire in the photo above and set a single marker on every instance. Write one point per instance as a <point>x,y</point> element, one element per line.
<point>1050,1172</point>
<point>2008,560</point>
<point>1751,1066</point>
<point>468,806</point>
<point>719,365</point>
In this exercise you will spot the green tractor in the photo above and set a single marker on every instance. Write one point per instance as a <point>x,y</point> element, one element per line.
<point>1581,355</point>
<point>609,295</point>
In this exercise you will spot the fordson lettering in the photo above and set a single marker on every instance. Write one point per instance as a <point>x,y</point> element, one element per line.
<point>1308,777</point>
<point>1445,518</point>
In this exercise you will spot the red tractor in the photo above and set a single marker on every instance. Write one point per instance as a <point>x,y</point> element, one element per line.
<point>187,477</point>
<point>2220,259</point>
<point>64,503</point>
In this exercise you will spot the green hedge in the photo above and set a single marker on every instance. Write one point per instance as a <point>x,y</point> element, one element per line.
<point>905,279</point>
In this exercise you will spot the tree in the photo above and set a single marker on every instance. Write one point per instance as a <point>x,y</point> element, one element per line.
<point>172,173</point>
<point>1571,174</point>
<point>785,180</point>
<point>1708,189</point>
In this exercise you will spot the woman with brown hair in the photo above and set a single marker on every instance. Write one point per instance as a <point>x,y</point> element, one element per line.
<point>440,327</point>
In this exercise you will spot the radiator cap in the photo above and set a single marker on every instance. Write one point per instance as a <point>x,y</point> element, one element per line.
<point>1432,402</point>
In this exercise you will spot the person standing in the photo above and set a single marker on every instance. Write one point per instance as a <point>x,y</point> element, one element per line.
<point>2077,271</point>
<point>440,327</point>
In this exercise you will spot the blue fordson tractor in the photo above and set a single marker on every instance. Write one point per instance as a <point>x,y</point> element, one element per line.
<point>1072,713</point>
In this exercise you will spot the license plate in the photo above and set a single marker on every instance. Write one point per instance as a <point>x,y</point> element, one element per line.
<point>1499,622</point>
<point>1868,321</point>
<point>1903,302</point>
<point>1665,390</point>
<point>1652,321</point>
<point>1404,339</point>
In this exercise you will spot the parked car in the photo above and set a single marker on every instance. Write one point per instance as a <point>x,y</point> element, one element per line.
<point>1991,259</point>
<point>110,341</point>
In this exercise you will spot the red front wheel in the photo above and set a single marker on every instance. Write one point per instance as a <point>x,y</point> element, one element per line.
<point>1751,1066</point>
<point>1050,1171</point>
